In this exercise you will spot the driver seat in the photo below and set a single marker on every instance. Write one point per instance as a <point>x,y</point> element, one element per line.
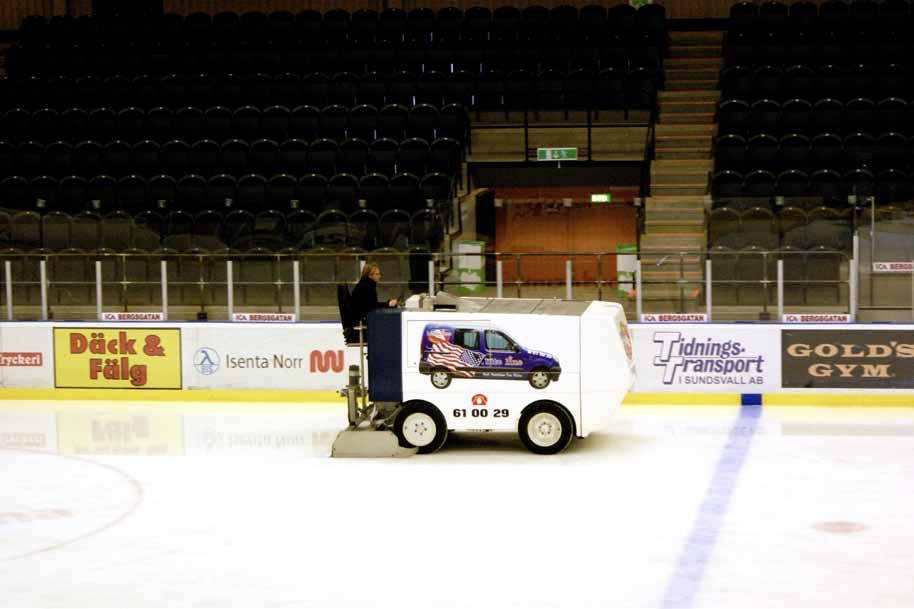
<point>344,301</point>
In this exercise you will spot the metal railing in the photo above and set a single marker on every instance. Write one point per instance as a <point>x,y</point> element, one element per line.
<point>213,285</point>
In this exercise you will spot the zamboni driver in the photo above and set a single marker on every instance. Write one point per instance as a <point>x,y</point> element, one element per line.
<point>365,293</point>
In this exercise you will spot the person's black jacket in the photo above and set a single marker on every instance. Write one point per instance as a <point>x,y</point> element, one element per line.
<point>365,298</point>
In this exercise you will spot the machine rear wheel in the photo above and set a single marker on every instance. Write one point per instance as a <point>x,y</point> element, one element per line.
<point>545,428</point>
<point>539,379</point>
<point>421,425</point>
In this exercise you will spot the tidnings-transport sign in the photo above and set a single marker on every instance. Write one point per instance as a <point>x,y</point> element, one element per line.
<point>689,357</point>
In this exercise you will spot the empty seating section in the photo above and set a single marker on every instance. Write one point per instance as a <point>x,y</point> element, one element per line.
<point>816,115</point>
<point>261,134</point>
<point>817,101</point>
<point>506,58</point>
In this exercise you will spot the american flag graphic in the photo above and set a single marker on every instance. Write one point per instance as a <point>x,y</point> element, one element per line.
<point>452,357</point>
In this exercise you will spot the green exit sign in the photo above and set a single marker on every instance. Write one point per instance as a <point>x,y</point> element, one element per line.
<point>556,154</point>
<point>601,198</point>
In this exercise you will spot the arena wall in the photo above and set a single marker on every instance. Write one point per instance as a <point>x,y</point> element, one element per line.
<point>806,364</point>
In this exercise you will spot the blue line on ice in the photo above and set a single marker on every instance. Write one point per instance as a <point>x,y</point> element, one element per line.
<point>696,553</point>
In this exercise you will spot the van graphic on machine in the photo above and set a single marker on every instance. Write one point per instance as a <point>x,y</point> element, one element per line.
<point>484,352</point>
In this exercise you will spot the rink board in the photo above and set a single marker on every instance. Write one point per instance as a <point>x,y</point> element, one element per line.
<point>715,364</point>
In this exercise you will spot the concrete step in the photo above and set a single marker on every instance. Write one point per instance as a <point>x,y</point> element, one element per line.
<point>705,63</point>
<point>669,291</point>
<point>681,202</point>
<point>679,188</point>
<point>695,51</point>
<point>682,153</point>
<point>708,130</point>
<point>686,37</point>
<point>688,106</point>
<point>675,204</point>
<point>691,179</point>
<point>691,73</point>
<point>667,273</point>
<point>666,263</point>
<point>698,188</point>
<point>672,243</point>
<point>690,215</point>
<point>662,224</point>
<point>689,95</point>
<point>691,85</point>
<point>671,266</point>
<point>688,170</point>
<point>656,209</point>
<point>674,226</point>
<point>683,140</point>
<point>687,118</point>
<point>683,165</point>
<point>661,186</point>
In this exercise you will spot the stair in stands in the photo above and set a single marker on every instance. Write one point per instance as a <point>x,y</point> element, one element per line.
<point>703,72</point>
<point>682,147</point>
<point>671,266</point>
<point>693,45</point>
<point>673,105</point>
<point>686,118</point>
<point>4,50</point>
<point>680,94</point>
<point>672,243</point>
<point>668,258</point>
<point>675,215</point>
<point>664,171</point>
<point>657,261</point>
<point>676,209</point>
<point>679,188</point>
<point>675,230</point>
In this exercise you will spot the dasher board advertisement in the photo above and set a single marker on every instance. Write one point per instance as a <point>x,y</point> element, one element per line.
<point>727,358</point>
<point>115,357</point>
<point>272,356</point>
<point>26,356</point>
<point>848,358</point>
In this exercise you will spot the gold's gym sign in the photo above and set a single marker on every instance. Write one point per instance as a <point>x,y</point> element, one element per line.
<point>117,358</point>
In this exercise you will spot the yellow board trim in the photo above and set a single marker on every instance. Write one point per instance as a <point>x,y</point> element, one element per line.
<point>840,400</point>
<point>254,397</point>
<point>171,395</point>
<point>683,399</point>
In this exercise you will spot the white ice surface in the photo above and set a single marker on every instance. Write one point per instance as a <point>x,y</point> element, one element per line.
<point>256,515</point>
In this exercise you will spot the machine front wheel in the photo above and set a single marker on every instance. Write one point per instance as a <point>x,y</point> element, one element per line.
<point>545,428</point>
<point>421,425</point>
<point>440,378</point>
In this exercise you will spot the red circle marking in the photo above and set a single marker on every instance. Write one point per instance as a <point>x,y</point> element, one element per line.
<point>840,526</point>
<point>135,485</point>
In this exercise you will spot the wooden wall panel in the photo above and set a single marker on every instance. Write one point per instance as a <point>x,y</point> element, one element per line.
<point>12,12</point>
<point>697,9</point>
<point>82,7</point>
<point>550,227</point>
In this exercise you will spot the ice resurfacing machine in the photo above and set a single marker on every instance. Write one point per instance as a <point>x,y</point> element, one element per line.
<point>549,370</point>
